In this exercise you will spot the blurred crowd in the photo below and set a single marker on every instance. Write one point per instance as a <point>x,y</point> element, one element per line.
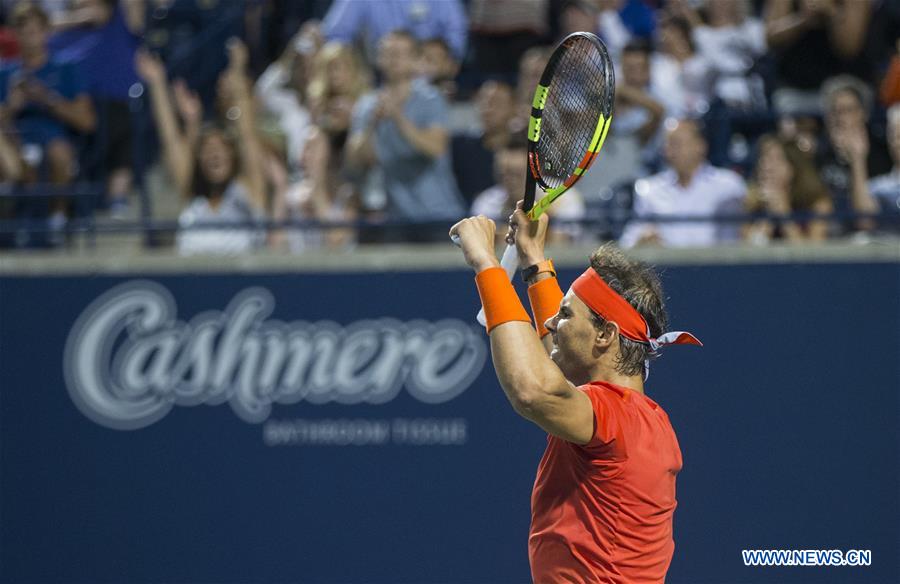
<point>313,124</point>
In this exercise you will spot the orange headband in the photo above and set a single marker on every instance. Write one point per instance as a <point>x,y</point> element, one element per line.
<point>606,302</point>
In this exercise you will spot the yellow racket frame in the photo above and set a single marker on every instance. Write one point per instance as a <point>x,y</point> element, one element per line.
<point>534,134</point>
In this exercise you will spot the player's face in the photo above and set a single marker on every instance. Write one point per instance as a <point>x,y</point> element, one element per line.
<point>573,332</point>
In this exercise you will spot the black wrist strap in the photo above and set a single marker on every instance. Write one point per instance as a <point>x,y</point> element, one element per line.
<point>538,268</point>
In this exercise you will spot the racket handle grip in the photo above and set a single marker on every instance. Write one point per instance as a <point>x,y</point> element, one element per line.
<point>509,262</point>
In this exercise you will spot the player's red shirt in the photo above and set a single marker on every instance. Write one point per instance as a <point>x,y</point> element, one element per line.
<point>603,512</point>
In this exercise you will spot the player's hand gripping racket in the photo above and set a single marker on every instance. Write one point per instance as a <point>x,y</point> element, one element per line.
<point>570,116</point>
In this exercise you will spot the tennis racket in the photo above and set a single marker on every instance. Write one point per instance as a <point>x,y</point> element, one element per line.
<point>570,116</point>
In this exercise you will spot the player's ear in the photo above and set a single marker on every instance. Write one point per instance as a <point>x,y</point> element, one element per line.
<point>606,335</point>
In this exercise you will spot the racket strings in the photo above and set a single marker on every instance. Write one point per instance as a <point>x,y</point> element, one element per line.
<point>580,91</point>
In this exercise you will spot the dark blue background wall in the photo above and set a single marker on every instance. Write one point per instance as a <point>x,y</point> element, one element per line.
<point>788,422</point>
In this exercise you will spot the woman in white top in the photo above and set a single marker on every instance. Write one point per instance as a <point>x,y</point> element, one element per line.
<point>730,41</point>
<point>220,174</point>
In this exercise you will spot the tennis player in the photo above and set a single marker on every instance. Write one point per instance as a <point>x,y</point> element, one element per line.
<point>604,497</point>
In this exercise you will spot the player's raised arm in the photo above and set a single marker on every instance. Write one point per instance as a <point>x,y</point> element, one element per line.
<point>538,271</point>
<point>533,383</point>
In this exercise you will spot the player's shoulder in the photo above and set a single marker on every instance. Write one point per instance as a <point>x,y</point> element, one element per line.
<point>605,392</point>
<point>612,395</point>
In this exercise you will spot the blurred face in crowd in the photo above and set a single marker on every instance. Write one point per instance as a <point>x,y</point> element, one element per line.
<point>773,163</point>
<point>636,68</point>
<point>217,158</point>
<point>341,72</point>
<point>396,57</point>
<point>685,147</point>
<point>32,33</point>
<point>510,166</point>
<point>437,64</point>
<point>845,111</point>
<point>495,104</point>
<point>576,18</point>
<point>673,41</point>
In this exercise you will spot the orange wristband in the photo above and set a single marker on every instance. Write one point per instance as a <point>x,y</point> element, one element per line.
<point>499,299</point>
<point>545,297</point>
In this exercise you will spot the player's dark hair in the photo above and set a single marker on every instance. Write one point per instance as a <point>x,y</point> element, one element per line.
<point>639,285</point>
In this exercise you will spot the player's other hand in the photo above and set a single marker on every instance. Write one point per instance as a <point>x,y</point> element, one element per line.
<point>476,238</point>
<point>528,236</point>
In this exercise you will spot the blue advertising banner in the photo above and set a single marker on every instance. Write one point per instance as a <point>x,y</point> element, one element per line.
<point>349,428</point>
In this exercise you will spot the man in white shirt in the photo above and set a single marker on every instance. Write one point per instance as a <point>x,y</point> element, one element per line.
<point>690,187</point>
